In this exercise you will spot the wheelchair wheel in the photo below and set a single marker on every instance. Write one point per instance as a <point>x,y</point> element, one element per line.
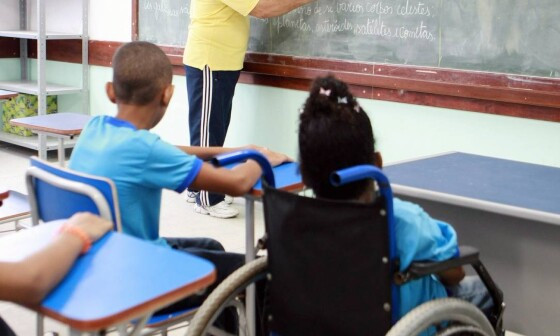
<point>224,295</point>
<point>462,318</point>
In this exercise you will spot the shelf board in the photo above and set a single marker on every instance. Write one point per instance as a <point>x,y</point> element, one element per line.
<point>34,35</point>
<point>31,87</point>
<point>32,142</point>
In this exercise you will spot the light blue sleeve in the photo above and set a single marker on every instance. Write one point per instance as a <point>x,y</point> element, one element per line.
<point>170,168</point>
<point>420,237</point>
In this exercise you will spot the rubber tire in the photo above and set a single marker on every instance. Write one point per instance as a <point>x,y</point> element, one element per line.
<point>226,291</point>
<point>438,311</point>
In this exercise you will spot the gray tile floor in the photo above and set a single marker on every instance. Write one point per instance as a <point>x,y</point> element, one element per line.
<point>177,219</point>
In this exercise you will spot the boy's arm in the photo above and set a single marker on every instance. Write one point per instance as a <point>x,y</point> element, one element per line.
<point>206,153</point>
<point>237,181</point>
<point>29,280</point>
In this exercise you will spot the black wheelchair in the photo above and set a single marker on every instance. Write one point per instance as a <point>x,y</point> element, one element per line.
<point>331,269</point>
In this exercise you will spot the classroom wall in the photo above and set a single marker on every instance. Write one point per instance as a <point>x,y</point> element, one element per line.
<point>109,20</point>
<point>268,116</point>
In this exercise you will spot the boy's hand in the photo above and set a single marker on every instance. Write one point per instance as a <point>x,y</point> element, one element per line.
<point>94,226</point>
<point>274,158</point>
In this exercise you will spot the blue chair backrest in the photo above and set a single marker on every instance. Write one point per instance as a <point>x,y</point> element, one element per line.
<point>58,193</point>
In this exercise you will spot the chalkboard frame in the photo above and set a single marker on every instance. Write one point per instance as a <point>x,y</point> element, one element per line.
<point>487,92</point>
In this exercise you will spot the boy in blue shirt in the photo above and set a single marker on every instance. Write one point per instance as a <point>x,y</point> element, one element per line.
<point>141,164</point>
<point>336,133</point>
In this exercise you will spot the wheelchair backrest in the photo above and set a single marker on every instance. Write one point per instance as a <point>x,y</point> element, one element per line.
<point>329,265</point>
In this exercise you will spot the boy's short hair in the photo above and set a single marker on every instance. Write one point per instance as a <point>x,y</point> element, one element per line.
<point>140,71</point>
<point>334,133</point>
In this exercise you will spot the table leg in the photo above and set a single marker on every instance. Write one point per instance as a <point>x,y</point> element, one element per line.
<point>250,256</point>
<point>40,325</point>
<point>61,153</point>
<point>42,144</point>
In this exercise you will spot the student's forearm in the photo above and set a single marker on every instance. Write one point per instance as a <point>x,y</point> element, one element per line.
<point>272,8</point>
<point>235,182</point>
<point>206,153</point>
<point>29,280</point>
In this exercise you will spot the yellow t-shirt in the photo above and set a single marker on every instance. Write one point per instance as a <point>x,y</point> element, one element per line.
<point>218,34</point>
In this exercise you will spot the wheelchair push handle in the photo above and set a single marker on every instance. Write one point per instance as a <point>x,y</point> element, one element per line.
<point>356,173</point>
<point>244,155</point>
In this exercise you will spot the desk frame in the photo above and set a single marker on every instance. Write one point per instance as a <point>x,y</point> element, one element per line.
<point>59,133</point>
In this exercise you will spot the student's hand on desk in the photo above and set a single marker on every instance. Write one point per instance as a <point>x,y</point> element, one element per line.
<point>274,158</point>
<point>94,226</point>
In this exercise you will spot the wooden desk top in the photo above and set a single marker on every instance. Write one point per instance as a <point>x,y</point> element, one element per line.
<point>56,123</point>
<point>120,279</point>
<point>7,94</point>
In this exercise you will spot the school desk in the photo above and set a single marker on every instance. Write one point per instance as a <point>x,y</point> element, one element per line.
<point>287,178</point>
<point>57,125</point>
<point>7,94</point>
<point>4,193</point>
<point>119,280</point>
<point>511,211</point>
<point>14,208</point>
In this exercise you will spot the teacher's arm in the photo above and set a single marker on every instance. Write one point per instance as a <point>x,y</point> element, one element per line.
<point>29,280</point>
<point>270,8</point>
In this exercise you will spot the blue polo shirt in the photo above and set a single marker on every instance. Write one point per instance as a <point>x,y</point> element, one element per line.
<point>420,237</point>
<point>140,164</point>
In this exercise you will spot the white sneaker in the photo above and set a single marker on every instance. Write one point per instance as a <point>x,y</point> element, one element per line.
<point>191,196</point>
<point>220,210</point>
<point>228,199</point>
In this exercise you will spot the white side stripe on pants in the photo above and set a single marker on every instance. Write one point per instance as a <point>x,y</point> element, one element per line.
<point>205,120</point>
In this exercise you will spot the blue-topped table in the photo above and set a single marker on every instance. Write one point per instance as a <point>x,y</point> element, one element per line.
<point>57,125</point>
<point>119,280</point>
<point>505,208</point>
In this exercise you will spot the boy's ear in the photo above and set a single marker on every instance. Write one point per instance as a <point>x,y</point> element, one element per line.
<point>110,89</point>
<point>167,94</point>
<point>378,160</point>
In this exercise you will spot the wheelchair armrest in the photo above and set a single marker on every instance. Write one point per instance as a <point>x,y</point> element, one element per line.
<point>419,269</point>
<point>467,255</point>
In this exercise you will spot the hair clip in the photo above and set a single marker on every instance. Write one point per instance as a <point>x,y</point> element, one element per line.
<point>343,100</point>
<point>325,92</point>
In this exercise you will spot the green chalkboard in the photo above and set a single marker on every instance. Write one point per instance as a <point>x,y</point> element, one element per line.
<point>509,36</point>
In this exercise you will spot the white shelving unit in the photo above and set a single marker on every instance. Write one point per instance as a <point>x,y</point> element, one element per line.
<point>41,87</point>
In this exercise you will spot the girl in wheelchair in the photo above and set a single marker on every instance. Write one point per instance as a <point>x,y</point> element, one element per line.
<point>335,133</point>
